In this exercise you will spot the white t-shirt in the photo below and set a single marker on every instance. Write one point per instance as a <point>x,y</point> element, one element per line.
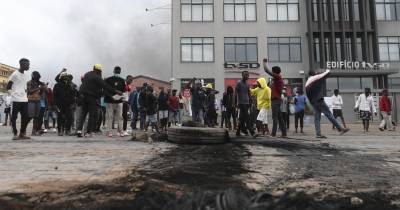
<point>19,87</point>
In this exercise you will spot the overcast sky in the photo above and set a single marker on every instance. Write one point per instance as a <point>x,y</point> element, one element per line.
<point>76,34</point>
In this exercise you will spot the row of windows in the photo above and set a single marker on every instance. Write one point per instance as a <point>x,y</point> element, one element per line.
<point>241,49</point>
<point>282,10</point>
<point>282,49</point>
<point>239,10</point>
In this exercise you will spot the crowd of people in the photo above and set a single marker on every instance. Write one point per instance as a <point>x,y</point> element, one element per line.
<point>109,105</point>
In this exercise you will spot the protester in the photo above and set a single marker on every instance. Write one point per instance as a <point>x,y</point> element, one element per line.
<point>198,100</point>
<point>229,103</point>
<point>43,107</point>
<point>337,103</point>
<point>285,109</point>
<point>365,105</point>
<point>7,109</point>
<point>173,104</point>
<point>151,110</point>
<point>65,94</point>
<point>35,88</point>
<point>243,103</point>
<point>92,89</point>
<point>181,110</point>
<point>101,121</point>
<point>210,106</point>
<point>134,106</point>
<point>114,107</point>
<point>276,92</point>
<point>50,113</point>
<point>315,94</point>
<point>125,104</point>
<point>142,106</point>
<point>300,102</point>
<point>386,110</point>
<point>18,86</point>
<point>263,94</point>
<point>163,109</point>
<point>223,114</point>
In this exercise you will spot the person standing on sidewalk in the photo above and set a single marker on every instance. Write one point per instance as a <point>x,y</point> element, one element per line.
<point>163,109</point>
<point>337,103</point>
<point>7,109</point>
<point>386,109</point>
<point>300,102</point>
<point>35,89</point>
<point>365,105</point>
<point>315,94</point>
<point>263,94</point>
<point>276,92</point>
<point>17,85</point>
<point>243,103</point>
<point>114,107</point>
<point>91,90</point>
<point>134,106</point>
<point>142,106</point>
<point>229,103</point>
<point>173,104</point>
<point>198,99</point>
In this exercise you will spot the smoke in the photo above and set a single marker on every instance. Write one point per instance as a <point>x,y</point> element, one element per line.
<point>78,34</point>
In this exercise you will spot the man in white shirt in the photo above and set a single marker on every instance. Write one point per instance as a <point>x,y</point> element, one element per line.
<point>18,88</point>
<point>365,105</point>
<point>337,103</point>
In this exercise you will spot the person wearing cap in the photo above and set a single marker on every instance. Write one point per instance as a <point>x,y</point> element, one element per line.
<point>210,106</point>
<point>114,106</point>
<point>92,88</point>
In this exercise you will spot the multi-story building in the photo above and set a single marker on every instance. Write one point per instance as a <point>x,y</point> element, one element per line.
<point>358,39</point>
<point>5,72</point>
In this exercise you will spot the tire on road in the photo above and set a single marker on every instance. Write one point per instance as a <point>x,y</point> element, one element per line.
<point>196,135</point>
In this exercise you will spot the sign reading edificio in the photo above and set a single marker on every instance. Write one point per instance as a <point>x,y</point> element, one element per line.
<point>356,65</point>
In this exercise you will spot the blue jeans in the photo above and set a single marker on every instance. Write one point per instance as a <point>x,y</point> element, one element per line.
<point>142,114</point>
<point>319,108</point>
<point>197,115</point>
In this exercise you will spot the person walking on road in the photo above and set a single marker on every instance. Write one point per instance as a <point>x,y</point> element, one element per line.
<point>337,104</point>
<point>386,109</point>
<point>277,86</point>
<point>35,88</point>
<point>365,105</point>
<point>315,94</point>
<point>17,85</point>
<point>243,103</point>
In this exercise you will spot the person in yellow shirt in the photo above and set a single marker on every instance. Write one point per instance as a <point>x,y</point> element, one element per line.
<point>263,94</point>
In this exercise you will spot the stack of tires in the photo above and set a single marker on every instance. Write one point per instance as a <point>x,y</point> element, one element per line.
<point>197,135</point>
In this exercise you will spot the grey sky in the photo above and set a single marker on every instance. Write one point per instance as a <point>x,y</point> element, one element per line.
<point>76,34</point>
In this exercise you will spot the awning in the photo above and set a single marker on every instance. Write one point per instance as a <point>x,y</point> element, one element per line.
<point>363,72</point>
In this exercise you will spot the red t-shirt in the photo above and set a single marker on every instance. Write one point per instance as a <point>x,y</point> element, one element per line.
<point>173,102</point>
<point>276,86</point>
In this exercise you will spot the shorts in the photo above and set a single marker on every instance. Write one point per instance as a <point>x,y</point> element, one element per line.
<point>365,115</point>
<point>33,109</point>
<point>263,116</point>
<point>337,113</point>
<point>162,114</point>
<point>173,116</point>
<point>7,110</point>
<point>151,118</point>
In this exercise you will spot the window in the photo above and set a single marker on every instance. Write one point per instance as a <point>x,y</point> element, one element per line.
<point>241,49</point>
<point>347,48</point>
<point>197,49</point>
<point>197,10</point>
<point>338,49</point>
<point>356,10</point>
<point>240,10</point>
<point>394,83</point>
<point>331,85</point>
<point>359,49</point>
<point>349,83</point>
<point>282,10</point>
<point>388,9</point>
<point>389,48</point>
<point>317,54</point>
<point>324,11</point>
<point>284,49</point>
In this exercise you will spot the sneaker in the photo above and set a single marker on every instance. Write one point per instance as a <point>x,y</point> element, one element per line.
<point>110,135</point>
<point>16,137</point>
<point>89,135</point>
<point>125,133</point>
<point>321,137</point>
<point>283,137</point>
<point>381,129</point>
<point>53,130</point>
<point>45,131</point>
<point>79,134</point>
<point>60,134</point>
<point>344,130</point>
<point>255,135</point>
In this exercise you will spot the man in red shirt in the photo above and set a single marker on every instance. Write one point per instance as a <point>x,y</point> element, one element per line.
<point>386,108</point>
<point>277,86</point>
<point>173,104</point>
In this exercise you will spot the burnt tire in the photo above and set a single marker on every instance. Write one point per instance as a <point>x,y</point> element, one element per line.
<point>196,135</point>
